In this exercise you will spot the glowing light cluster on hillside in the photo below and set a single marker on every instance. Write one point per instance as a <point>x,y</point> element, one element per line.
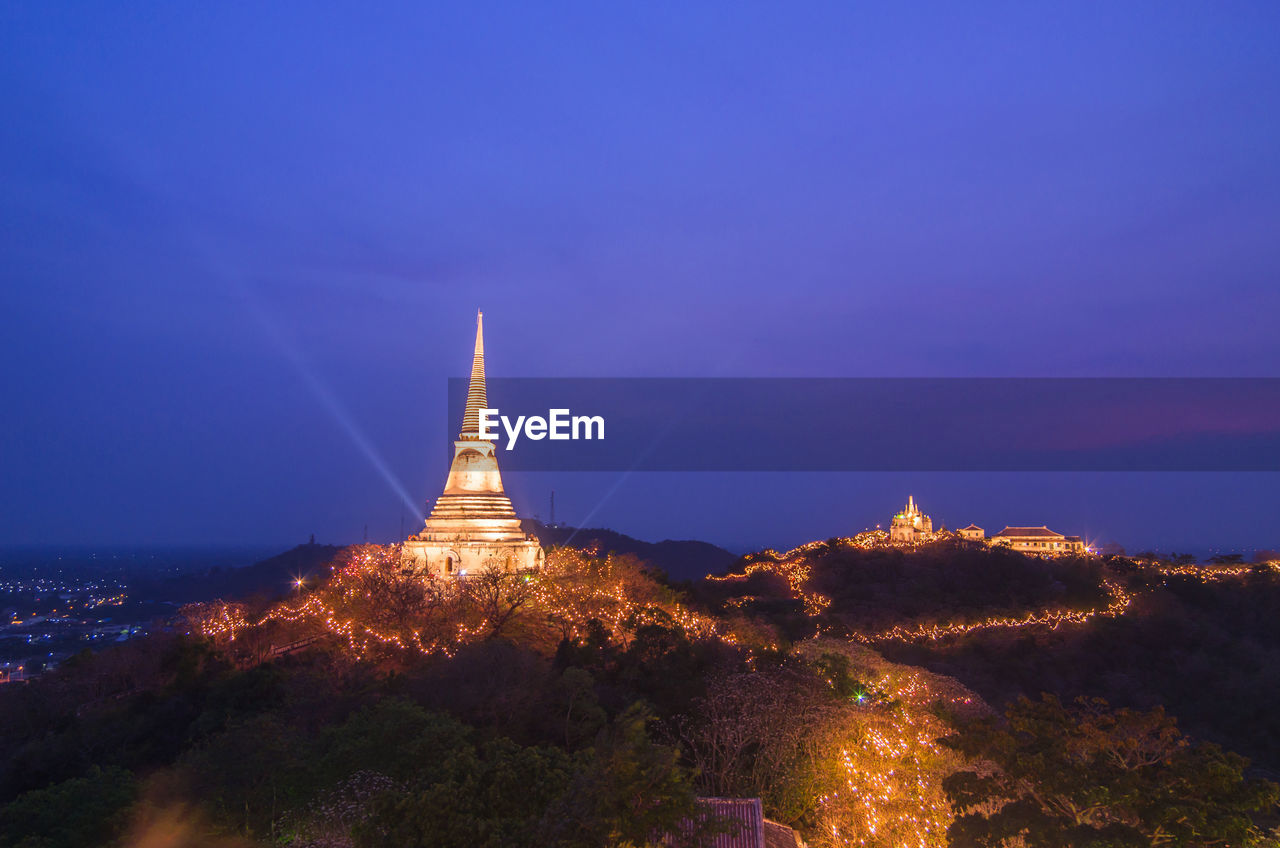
<point>891,770</point>
<point>1118,601</point>
<point>1210,573</point>
<point>794,570</point>
<point>577,586</point>
<point>794,566</point>
<point>883,767</point>
<point>561,601</point>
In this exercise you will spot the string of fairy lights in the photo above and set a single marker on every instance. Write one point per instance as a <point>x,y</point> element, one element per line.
<point>1119,600</point>
<point>795,568</point>
<point>890,770</point>
<point>887,771</point>
<point>572,590</point>
<point>1212,573</point>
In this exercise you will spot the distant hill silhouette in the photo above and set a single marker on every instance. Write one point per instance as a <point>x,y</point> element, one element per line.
<point>270,577</point>
<point>680,560</point>
<point>273,577</point>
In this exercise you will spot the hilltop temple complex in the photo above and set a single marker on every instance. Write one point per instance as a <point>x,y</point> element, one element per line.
<point>911,525</point>
<point>473,525</point>
<point>1029,540</point>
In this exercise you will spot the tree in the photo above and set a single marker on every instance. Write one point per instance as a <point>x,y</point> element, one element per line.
<point>1087,775</point>
<point>583,716</point>
<point>89,810</point>
<point>393,737</point>
<point>495,596</point>
<point>624,792</point>
<point>218,620</point>
<point>774,734</point>
<point>494,796</point>
<point>628,793</point>
<point>385,594</point>
<point>251,773</point>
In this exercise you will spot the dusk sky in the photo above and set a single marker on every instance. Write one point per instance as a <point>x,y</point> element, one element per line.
<point>243,246</point>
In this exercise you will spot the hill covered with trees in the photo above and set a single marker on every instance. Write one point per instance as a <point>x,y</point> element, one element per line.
<point>1201,641</point>
<point>590,704</point>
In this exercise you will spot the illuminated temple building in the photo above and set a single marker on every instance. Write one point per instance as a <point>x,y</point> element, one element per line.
<point>473,525</point>
<point>910,525</point>
<point>1037,540</point>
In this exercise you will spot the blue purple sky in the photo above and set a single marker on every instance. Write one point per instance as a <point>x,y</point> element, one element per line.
<point>243,245</point>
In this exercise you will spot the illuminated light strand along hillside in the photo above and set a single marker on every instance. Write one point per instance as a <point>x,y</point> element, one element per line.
<point>574,589</point>
<point>795,571</point>
<point>890,766</point>
<point>891,772</point>
<point>578,586</point>
<point>892,790</point>
<point>1119,600</point>
<point>794,567</point>
<point>1210,573</point>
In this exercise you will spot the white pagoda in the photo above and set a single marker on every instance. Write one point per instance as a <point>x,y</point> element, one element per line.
<point>473,526</point>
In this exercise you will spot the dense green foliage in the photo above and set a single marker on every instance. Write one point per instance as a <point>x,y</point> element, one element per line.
<point>1208,652</point>
<point>560,754</point>
<point>621,791</point>
<point>872,589</point>
<point>1085,775</point>
<point>606,738</point>
<point>87,810</point>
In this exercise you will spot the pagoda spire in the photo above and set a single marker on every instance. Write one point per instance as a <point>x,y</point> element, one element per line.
<point>472,527</point>
<point>476,399</point>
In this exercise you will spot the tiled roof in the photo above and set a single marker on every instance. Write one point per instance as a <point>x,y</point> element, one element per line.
<point>780,836</point>
<point>753,829</point>
<point>1028,531</point>
<point>971,527</point>
<point>746,813</point>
